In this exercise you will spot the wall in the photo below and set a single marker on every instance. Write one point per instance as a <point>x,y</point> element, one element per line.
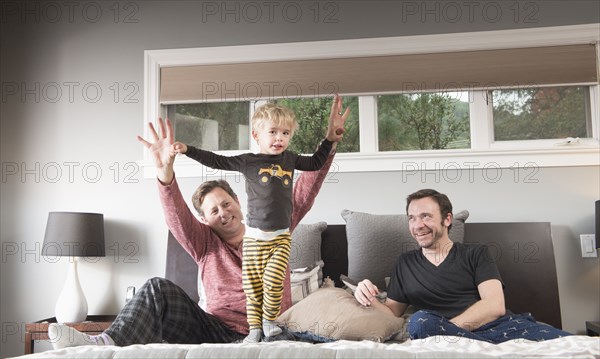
<point>72,93</point>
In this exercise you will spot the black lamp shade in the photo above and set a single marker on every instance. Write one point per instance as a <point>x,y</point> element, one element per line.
<point>74,234</point>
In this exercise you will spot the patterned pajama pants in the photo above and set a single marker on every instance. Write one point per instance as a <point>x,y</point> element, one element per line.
<point>263,271</point>
<point>426,323</point>
<point>162,312</point>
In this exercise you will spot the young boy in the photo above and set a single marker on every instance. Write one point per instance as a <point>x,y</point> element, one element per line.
<point>269,175</point>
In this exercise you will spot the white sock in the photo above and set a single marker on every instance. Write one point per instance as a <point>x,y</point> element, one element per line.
<point>270,328</point>
<point>62,336</point>
<point>254,336</point>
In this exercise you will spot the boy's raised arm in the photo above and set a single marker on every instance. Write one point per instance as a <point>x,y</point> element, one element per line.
<point>309,183</point>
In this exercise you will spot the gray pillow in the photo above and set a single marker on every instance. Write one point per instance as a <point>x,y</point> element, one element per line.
<point>306,245</point>
<point>375,241</point>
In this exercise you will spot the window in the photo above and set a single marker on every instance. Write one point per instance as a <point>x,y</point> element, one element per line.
<point>542,113</point>
<point>225,126</point>
<point>312,115</point>
<point>424,121</point>
<point>465,98</point>
<point>212,126</point>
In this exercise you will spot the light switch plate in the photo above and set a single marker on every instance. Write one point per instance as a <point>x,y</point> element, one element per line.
<point>588,244</point>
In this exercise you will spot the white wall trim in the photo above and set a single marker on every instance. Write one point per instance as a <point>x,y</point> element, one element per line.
<point>441,160</point>
<point>398,45</point>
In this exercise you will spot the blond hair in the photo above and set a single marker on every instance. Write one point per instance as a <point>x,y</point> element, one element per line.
<point>276,114</point>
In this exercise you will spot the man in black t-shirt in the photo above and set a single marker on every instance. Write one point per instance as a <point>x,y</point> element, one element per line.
<point>456,287</point>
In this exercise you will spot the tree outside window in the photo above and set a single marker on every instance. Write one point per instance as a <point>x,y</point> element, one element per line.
<point>312,115</point>
<point>212,126</point>
<point>425,121</point>
<point>541,113</point>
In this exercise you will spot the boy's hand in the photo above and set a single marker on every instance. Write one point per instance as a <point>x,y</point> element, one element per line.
<point>337,120</point>
<point>179,147</point>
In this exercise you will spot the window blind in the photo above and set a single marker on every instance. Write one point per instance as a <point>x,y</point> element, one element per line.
<point>447,71</point>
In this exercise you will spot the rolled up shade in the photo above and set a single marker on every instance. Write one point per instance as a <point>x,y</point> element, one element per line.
<point>465,70</point>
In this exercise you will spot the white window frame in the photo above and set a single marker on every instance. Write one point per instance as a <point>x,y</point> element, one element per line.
<point>483,152</point>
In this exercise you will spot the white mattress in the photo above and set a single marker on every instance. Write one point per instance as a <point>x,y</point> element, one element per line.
<point>578,346</point>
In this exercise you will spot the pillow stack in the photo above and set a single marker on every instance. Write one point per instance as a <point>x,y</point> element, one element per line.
<point>305,260</point>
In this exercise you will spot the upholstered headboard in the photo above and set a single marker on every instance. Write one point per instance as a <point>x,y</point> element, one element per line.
<point>181,268</point>
<point>525,258</point>
<point>523,253</point>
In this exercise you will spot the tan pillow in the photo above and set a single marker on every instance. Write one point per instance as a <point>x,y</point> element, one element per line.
<point>334,313</point>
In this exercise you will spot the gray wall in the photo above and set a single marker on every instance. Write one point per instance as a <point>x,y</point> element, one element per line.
<point>73,150</point>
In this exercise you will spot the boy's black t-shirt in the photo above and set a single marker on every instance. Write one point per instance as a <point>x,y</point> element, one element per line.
<point>449,288</point>
<point>269,180</point>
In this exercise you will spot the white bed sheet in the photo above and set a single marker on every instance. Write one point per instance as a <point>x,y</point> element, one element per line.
<point>578,346</point>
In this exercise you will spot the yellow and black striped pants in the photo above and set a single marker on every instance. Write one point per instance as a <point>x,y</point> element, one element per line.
<point>263,271</point>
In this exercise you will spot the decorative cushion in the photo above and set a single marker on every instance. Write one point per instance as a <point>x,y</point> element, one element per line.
<point>375,242</point>
<point>333,313</point>
<point>304,282</point>
<point>306,245</point>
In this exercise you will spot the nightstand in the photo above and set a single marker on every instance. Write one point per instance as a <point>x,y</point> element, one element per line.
<point>93,324</point>
<point>592,328</point>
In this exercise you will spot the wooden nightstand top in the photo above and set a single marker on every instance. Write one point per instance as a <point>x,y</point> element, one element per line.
<point>93,324</point>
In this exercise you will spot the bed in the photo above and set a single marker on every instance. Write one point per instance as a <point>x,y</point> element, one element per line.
<point>365,247</point>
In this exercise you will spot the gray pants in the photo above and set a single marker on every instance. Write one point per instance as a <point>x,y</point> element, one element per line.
<point>163,312</point>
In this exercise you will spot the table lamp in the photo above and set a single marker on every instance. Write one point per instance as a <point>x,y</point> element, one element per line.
<point>73,234</point>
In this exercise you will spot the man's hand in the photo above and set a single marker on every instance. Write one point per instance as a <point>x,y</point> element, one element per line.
<point>337,120</point>
<point>162,150</point>
<point>365,292</point>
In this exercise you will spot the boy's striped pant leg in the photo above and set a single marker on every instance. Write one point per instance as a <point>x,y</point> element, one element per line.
<point>252,272</point>
<point>263,272</point>
<point>274,276</point>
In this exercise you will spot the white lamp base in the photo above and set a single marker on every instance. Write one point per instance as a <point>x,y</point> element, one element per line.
<point>71,306</point>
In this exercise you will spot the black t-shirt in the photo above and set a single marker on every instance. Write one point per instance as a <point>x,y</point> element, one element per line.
<point>449,288</point>
<point>268,180</point>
